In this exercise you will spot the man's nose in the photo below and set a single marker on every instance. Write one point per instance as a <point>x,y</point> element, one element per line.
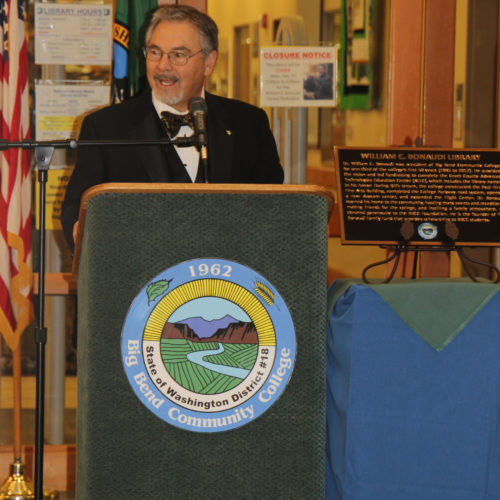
<point>164,62</point>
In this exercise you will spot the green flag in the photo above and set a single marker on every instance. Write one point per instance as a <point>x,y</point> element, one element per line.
<point>139,17</point>
<point>129,69</point>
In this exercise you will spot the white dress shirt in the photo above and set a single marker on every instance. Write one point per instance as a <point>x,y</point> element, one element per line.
<point>189,156</point>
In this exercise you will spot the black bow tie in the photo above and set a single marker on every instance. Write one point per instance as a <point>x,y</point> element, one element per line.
<point>174,122</point>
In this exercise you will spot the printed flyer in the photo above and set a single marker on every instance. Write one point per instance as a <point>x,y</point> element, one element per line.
<point>298,76</point>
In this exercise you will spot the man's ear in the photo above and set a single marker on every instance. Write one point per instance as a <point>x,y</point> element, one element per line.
<point>210,63</point>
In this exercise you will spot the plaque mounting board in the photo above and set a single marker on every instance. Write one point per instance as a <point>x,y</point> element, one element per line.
<point>435,197</point>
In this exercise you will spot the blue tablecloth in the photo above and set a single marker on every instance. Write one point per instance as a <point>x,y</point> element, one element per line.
<point>405,421</point>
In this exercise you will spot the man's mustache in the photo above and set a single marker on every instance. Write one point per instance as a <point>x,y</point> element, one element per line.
<point>166,76</point>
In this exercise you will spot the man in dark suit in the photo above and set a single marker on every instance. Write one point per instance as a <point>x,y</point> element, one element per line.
<point>181,51</point>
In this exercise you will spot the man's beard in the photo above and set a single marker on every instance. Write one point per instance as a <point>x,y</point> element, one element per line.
<point>171,100</point>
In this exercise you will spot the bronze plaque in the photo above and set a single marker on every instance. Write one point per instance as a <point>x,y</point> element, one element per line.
<point>419,196</point>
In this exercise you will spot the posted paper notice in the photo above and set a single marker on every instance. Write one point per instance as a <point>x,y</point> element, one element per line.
<point>298,76</point>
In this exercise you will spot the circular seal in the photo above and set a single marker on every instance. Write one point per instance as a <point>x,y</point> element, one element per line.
<point>208,345</point>
<point>427,231</point>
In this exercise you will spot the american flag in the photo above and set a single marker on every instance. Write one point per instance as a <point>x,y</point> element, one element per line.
<point>15,179</point>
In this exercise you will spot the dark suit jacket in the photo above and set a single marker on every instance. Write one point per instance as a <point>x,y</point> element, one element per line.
<point>241,149</point>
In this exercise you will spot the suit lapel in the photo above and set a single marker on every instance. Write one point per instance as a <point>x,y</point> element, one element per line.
<point>220,141</point>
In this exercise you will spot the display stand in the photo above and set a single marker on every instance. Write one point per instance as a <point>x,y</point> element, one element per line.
<point>413,390</point>
<point>407,231</point>
<point>397,251</point>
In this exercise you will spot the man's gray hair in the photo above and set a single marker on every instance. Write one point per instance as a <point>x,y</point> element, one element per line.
<point>205,25</point>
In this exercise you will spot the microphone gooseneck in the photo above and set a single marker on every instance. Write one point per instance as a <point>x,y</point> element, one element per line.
<point>198,108</point>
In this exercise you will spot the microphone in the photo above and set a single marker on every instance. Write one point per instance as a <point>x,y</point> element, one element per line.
<point>198,108</point>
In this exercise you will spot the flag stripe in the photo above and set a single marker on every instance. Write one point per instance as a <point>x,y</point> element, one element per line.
<point>15,189</point>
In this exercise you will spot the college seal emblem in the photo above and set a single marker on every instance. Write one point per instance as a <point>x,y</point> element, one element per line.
<point>427,230</point>
<point>208,345</point>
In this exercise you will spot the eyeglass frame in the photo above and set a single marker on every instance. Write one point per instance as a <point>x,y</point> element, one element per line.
<point>146,51</point>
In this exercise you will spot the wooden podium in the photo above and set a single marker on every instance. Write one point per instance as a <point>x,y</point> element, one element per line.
<point>128,235</point>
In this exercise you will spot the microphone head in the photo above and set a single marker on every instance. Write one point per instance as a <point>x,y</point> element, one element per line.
<point>197,105</point>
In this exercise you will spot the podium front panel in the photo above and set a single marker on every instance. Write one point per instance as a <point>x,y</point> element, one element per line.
<point>123,449</point>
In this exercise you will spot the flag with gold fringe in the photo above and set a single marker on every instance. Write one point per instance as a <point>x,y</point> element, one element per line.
<point>15,179</point>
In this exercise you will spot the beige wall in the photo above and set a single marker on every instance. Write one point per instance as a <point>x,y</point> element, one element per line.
<point>229,14</point>
<point>369,128</point>
<point>460,72</point>
<point>363,128</point>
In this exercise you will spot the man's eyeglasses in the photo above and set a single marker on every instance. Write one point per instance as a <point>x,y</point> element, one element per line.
<point>176,58</point>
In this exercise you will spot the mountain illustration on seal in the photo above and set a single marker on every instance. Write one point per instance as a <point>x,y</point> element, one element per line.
<point>208,345</point>
<point>227,330</point>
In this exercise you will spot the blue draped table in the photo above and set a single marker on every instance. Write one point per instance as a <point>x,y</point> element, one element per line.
<point>412,413</point>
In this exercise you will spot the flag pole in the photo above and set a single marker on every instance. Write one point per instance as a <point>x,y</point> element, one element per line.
<point>17,397</point>
<point>16,487</point>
